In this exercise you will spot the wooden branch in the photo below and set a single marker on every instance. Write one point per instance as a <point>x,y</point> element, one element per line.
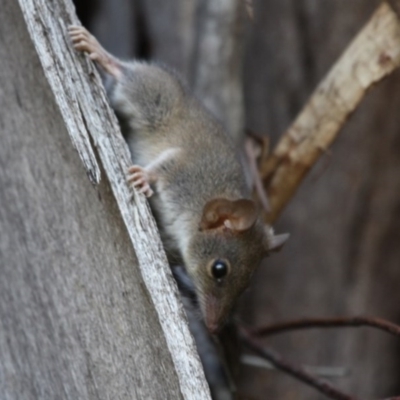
<point>299,372</point>
<point>295,371</point>
<point>76,88</point>
<point>308,323</point>
<point>374,54</point>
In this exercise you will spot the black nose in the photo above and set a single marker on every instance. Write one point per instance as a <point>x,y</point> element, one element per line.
<point>219,269</point>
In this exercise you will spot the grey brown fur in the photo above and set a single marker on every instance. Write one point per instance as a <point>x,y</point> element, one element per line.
<point>180,150</point>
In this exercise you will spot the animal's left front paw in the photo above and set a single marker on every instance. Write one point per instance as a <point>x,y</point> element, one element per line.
<point>140,179</point>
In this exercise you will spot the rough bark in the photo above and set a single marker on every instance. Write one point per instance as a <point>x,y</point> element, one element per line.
<point>343,255</point>
<point>88,305</point>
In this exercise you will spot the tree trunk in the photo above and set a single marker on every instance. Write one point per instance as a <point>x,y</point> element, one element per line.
<point>88,306</point>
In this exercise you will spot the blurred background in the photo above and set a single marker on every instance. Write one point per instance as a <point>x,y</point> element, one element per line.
<point>343,257</point>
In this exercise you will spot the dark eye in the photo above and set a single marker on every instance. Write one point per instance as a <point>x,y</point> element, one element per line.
<point>219,269</point>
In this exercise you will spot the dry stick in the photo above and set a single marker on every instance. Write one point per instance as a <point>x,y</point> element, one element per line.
<point>372,55</point>
<point>296,371</point>
<point>307,323</point>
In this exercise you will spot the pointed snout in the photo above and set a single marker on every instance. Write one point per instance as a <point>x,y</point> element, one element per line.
<point>212,326</point>
<point>214,314</point>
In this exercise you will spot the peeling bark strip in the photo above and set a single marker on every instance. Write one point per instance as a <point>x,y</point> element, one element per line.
<point>86,114</point>
<point>57,60</point>
<point>373,54</point>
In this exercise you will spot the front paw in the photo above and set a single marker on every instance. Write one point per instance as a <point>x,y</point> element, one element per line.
<point>140,179</point>
<point>82,40</point>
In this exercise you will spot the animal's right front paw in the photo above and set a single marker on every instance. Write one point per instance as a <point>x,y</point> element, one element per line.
<point>140,179</point>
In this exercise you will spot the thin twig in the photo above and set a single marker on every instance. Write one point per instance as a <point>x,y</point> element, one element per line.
<point>291,369</point>
<point>318,370</point>
<point>307,323</point>
<point>250,148</point>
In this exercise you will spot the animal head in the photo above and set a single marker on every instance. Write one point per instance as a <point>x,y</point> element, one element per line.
<point>223,254</point>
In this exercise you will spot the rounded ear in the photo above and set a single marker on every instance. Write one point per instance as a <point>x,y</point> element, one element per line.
<point>276,242</point>
<point>239,215</point>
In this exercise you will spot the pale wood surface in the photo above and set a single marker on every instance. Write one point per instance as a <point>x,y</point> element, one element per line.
<point>372,55</point>
<point>81,316</point>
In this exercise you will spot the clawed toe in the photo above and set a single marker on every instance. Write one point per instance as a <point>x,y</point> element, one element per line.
<point>134,168</point>
<point>135,178</point>
<point>138,178</point>
<point>146,190</point>
<point>82,40</point>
